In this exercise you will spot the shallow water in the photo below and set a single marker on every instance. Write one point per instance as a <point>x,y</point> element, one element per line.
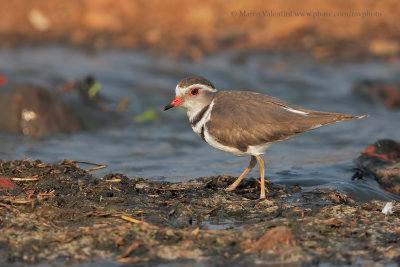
<point>167,149</point>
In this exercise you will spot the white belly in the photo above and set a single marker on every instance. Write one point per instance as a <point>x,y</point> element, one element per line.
<point>214,143</point>
<point>251,150</point>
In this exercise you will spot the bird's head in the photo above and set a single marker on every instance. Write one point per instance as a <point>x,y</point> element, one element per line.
<point>193,93</point>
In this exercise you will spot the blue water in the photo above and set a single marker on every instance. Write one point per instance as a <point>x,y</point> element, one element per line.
<point>166,148</point>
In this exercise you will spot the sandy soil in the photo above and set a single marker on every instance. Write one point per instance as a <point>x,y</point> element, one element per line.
<point>192,28</point>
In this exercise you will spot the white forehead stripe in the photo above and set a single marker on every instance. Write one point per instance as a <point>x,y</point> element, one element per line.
<point>295,111</point>
<point>203,87</point>
<point>180,90</point>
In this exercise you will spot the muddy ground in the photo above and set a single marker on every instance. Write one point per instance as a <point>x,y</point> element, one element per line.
<point>62,213</point>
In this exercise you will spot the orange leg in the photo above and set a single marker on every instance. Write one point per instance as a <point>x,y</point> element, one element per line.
<point>262,173</point>
<point>252,163</point>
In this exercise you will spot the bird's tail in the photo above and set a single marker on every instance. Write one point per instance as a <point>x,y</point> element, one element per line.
<point>345,117</point>
<point>317,119</point>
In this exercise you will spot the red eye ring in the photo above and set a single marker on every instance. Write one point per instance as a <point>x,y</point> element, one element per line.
<point>194,91</point>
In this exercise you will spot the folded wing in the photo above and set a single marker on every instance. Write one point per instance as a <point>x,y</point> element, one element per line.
<point>240,119</point>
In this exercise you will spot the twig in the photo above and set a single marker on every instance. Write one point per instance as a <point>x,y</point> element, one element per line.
<point>195,231</point>
<point>16,201</point>
<point>24,179</point>
<point>132,260</point>
<point>113,180</point>
<point>5,205</point>
<point>129,250</point>
<point>99,166</point>
<point>133,220</point>
<point>116,189</point>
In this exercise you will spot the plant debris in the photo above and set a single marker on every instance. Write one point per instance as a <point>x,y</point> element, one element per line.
<point>68,215</point>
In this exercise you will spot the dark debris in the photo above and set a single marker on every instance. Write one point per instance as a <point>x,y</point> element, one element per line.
<point>69,215</point>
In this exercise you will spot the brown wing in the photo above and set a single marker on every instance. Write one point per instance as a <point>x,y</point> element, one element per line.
<point>239,119</point>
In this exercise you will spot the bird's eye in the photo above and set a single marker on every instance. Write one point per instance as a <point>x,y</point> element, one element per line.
<point>194,91</point>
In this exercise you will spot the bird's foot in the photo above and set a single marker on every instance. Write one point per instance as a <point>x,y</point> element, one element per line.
<point>230,188</point>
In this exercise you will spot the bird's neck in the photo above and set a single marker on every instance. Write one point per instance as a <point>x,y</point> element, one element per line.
<point>194,110</point>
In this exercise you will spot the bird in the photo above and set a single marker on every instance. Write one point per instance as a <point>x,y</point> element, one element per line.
<point>245,123</point>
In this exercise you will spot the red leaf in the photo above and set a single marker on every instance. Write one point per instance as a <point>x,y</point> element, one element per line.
<point>6,183</point>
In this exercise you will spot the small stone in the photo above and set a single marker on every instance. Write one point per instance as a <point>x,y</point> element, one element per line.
<point>388,209</point>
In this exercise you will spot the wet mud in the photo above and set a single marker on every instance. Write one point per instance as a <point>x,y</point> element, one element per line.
<point>62,213</point>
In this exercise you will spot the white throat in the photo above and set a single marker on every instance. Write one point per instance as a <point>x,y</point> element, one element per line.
<point>194,108</point>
